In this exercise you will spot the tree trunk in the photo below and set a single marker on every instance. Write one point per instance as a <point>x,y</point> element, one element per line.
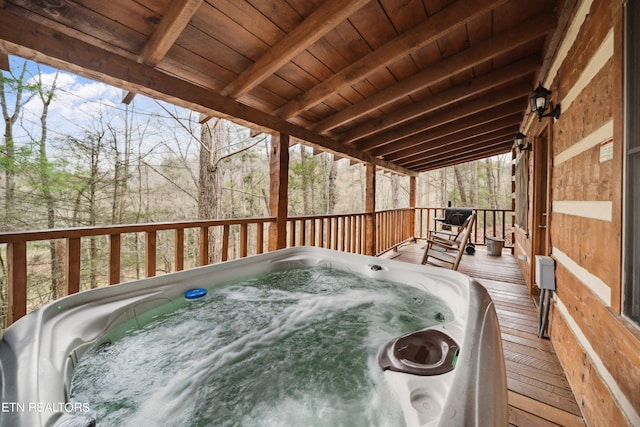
<point>9,162</point>
<point>491,184</point>
<point>464,199</point>
<point>210,182</point>
<point>332,187</point>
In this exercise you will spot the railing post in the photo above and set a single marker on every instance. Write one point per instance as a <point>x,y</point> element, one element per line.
<point>114,258</point>
<point>17,272</point>
<point>73,265</point>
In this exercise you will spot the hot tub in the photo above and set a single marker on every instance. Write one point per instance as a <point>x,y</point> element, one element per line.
<point>450,373</point>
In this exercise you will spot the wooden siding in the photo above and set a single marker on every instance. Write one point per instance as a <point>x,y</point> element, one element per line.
<point>597,348</point>
<point>538,391</point>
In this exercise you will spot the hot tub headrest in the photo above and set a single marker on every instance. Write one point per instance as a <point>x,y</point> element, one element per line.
<point>456,216</point>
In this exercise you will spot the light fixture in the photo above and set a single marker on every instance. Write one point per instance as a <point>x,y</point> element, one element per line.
<point>520,141</point>
<point>539,100</point>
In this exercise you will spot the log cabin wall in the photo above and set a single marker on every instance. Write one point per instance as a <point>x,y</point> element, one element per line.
<point>598,348</point>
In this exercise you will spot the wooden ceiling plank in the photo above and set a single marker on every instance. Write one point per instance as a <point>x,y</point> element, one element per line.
<point>322,20</point>
<point>513,96</point>
<point>24,38</point>
<point>488,117</point>
<point>460,150</point>
<point>429,31</point>
<point>169,29</point>
<point>503,42</point>
<point>440,100</point>
<point>477,131</point>
<point>128,97</point>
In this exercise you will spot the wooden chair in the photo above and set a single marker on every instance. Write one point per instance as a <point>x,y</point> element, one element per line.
<point>449,235</point>
<point>446,253</point>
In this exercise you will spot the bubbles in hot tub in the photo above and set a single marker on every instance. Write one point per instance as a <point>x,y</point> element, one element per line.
<point>297,347</point>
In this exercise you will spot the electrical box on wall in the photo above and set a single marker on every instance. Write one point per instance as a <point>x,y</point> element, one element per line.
<point>545,272</point>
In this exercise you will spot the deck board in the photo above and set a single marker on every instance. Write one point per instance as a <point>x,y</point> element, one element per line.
<point>539,393</point>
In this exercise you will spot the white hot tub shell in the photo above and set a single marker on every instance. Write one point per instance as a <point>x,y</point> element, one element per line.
<point>39,352</point>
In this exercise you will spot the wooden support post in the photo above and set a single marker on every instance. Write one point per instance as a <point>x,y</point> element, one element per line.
<point>412,205</point>
<point>114,259</point>
<point>179,249</point>
<point>279,183</point>
<point>73,265</point>
<point>17,272</point>
<point>150,254</point>
<point>370,210</point>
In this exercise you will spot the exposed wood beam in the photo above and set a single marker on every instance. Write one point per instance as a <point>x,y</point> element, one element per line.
<point>4,61</point>
<point>497,45</point>
<point>476,131</point>
<point>169,29</point>
<point>477,155</point>
<point>427,32</point>
<point>24,38</point>
<point>455,94</point>
<point>316,25</point>
<point>496,105</point>
<point>128,97</point>
<point>462,149</point>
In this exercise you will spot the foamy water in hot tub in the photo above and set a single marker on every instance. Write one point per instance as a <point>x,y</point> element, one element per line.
<point>287,348</point>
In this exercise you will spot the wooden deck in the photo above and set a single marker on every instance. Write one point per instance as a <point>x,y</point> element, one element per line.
<point>539,394</point>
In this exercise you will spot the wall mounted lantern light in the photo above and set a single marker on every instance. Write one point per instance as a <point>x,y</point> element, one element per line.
<point>521,140</point>
<point>539,100</point>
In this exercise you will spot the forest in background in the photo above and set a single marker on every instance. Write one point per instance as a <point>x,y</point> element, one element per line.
<point>71,158</point>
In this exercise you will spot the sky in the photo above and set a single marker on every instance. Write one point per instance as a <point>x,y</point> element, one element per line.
<point>79,103</point>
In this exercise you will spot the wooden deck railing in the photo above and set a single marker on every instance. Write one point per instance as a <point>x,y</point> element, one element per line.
<point>489,223</point>
<point>340,232</point>
<point>234,238</point>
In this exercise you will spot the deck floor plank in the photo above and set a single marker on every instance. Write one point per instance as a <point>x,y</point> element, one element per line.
<point>539,393</point>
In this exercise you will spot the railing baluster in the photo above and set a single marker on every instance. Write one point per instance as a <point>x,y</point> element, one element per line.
<point>73,266</point>
<point>115,247</point>
<point>17,272</point>
<point>150,253</point>
<point>204,245</point>
<point>243,240</point>
<point>260,238</point>
<point>312,232</point>
<point>179,249</point>
<point>224,251</point>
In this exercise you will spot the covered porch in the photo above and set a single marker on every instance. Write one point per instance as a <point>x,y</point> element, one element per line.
<point>431,84</point>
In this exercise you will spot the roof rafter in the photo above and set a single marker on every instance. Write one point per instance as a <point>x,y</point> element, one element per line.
<point>455,94</point>
<point>437,129</point>
<point>316,25</point>
<point>482,130</point>
<point>505,147</point>
<point>529,30</point>
<point>462,151</point>
<point>385,142</point>
<point>445,21</point>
